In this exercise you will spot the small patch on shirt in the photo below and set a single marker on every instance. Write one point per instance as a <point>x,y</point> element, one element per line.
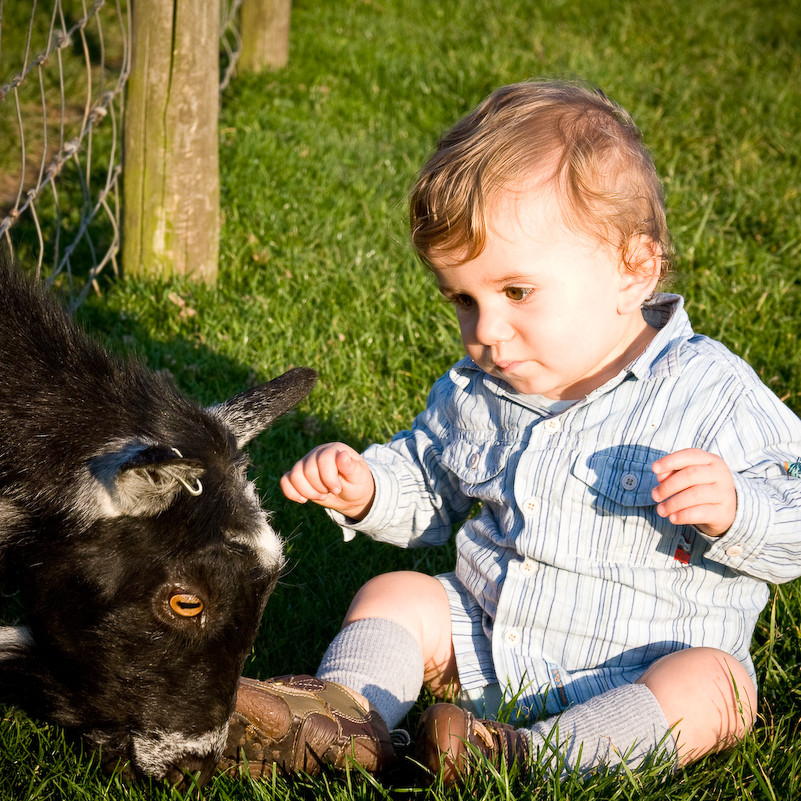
<point>793,469</point>
<point>682,556</point>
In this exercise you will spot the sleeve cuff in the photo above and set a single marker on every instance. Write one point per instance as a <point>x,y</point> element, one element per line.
<point>745,540</point>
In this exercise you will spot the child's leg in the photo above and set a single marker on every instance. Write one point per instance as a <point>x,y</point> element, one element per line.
<point>707,697</point>
<point>689,703</point>
<point>396,637</point>
<point>417,602</point>
<point>625,724</point>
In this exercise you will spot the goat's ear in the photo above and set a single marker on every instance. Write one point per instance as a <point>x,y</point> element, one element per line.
<point>250,412</point>
<point>143,480</point>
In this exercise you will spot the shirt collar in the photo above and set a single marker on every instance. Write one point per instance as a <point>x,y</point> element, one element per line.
<point>662,357</point>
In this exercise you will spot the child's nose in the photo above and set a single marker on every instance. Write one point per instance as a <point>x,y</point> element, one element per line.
<point>491,328</point>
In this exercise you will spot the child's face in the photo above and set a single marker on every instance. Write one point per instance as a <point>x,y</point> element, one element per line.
<point>546,310</point>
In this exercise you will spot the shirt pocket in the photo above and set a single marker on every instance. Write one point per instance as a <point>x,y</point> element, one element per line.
<point>616,480</point>
<point>480,466</point>
<point>615,517</point>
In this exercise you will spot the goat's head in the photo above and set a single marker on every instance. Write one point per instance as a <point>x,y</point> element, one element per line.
<point>138,626</point>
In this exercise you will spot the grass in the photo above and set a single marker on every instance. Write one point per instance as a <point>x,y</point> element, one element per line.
<point>316,270</point>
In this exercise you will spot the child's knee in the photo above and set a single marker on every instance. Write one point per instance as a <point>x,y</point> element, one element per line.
<point>703,673</point>
<point>707,696</point>
<point>419,603</point>
<point>415,600</point>
<point>389,594</point>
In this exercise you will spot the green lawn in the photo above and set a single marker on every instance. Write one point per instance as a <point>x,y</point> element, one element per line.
<point>316,270</point>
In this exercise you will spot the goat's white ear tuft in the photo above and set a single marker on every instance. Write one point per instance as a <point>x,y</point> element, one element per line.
<point>15,641</point>
<point>18,665</point>
<point>250,412</point>
<point>142,480</point>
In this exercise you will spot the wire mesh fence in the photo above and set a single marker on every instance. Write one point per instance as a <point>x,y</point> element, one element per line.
<point>64,65</point>
<point>230,40</point>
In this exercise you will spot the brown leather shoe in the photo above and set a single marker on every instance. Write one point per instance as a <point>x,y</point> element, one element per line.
<point>452,739</point>
<point>301,724</point>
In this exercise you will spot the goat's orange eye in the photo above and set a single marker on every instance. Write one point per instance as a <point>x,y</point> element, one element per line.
<point>185,604</point>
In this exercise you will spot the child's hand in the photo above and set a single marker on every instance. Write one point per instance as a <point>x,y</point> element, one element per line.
<point>695,488</point>
<point>333,475</point>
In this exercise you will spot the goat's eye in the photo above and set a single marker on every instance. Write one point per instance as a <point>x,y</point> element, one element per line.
<point>185,604</point>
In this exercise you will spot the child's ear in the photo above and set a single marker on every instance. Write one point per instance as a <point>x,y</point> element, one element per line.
<point>640,270</point>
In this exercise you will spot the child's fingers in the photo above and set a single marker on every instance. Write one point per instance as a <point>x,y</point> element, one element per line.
<point>351,467</point>
<point>323,472</point>
<point>337,465</point>
<point>324,475</point>
<point>679,460</point>
<point>694,496</point>
<point>703,516</point>
<point>672,483</point>
<point>289,490</point>
<point>295,484</point>
<point>695,488</point>
<point>306,478</point>
<point>686,468</point>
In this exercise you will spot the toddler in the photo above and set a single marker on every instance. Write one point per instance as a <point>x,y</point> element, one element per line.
<point>633,500</point>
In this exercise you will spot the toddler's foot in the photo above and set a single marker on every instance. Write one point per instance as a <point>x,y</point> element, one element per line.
<point>454,740</point>
<point>300,724</point>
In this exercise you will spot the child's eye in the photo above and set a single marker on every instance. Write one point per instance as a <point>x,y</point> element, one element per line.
<point>517,292</point>
<point>461,301</point>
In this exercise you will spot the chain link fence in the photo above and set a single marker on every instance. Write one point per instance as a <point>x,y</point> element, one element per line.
<point>64,65</point>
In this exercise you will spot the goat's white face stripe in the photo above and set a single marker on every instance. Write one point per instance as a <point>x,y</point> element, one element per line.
<point>265,541</point>
<point>267,545</point>
<point>155,753</point>
<point>270,548</point>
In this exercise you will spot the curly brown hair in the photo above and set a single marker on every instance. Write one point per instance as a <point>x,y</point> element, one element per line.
<point>605,178</point>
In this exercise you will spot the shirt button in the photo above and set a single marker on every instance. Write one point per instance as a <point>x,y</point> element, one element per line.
<point>528,567</point>
<point>734,551</point>
<point>629,482</point>
<point>553,425</point>
<point>511,636</point>
<point>473,460</point>
<point>530,506</point>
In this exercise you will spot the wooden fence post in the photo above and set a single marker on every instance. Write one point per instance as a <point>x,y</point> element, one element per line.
<point>265,34</point>
<point>171,184</point>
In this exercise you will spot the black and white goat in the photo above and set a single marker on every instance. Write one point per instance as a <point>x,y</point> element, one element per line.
<point>138,545</point>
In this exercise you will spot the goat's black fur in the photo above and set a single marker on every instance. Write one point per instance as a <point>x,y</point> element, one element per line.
<point>117,492</point>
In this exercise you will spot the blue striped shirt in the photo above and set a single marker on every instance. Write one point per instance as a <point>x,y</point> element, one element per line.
<point>567,582</point>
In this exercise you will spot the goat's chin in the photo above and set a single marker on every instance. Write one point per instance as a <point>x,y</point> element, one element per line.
<point>113,759</point>
<point>192,771</point>
<point>175,759</point>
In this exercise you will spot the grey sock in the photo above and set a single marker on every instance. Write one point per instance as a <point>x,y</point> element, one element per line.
<point>623,725</point>
<point>379,659</point>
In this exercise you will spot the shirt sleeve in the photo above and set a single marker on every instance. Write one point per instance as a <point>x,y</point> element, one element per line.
<point>417,500</point>
<point>757,440</point>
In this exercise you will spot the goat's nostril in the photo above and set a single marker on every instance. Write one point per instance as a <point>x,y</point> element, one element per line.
<point>185,604</point>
